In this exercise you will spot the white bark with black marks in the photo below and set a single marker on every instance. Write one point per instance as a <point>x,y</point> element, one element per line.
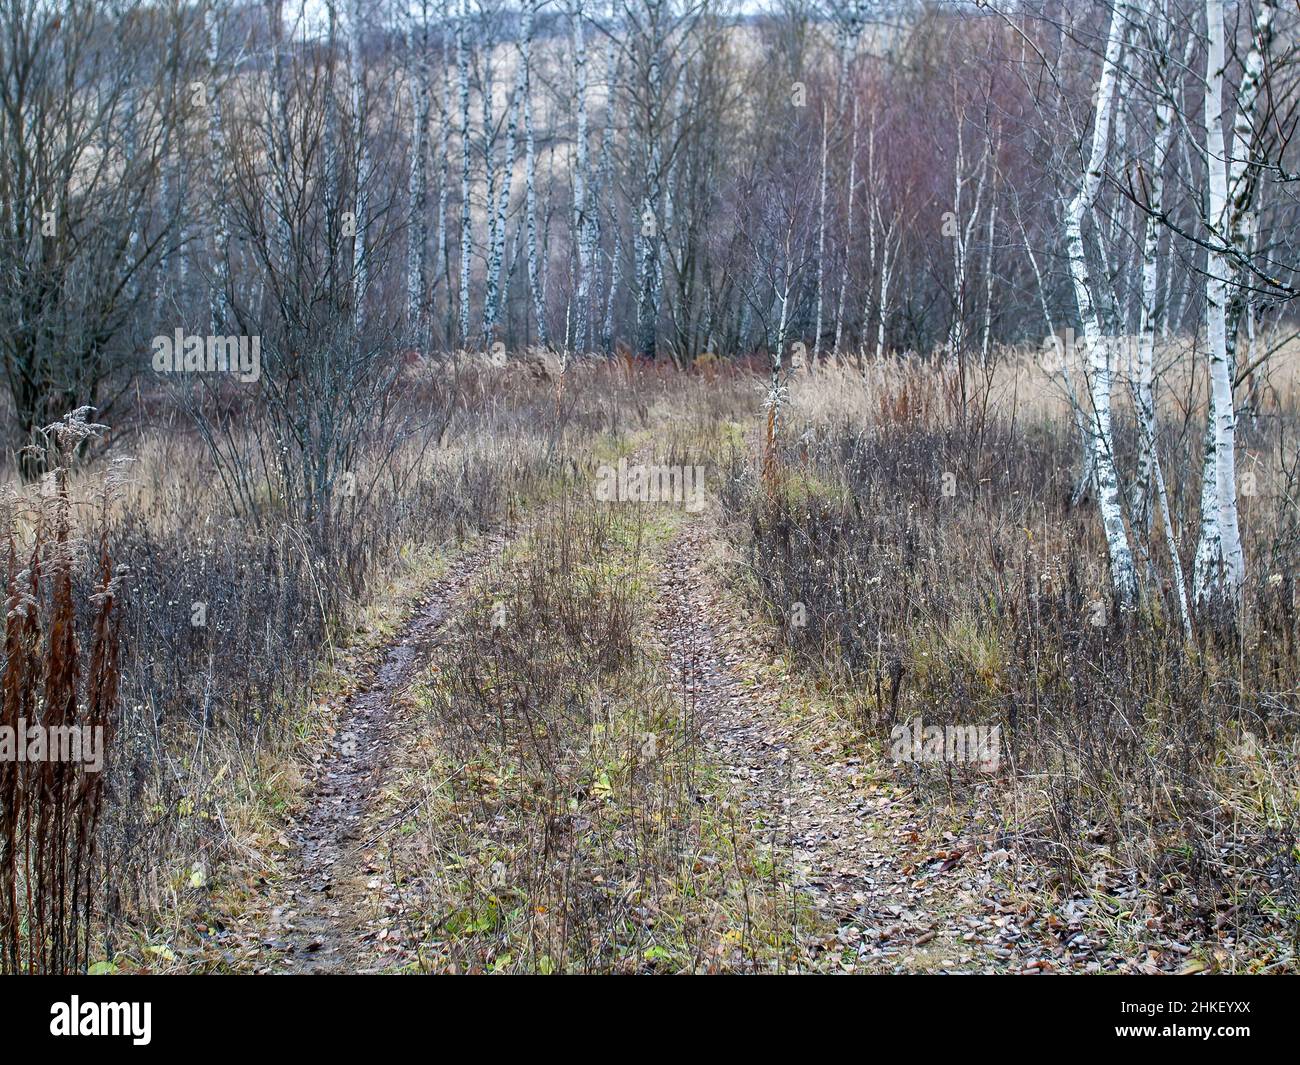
<point>1099,345</point>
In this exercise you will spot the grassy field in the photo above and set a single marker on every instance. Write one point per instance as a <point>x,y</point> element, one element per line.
<point>641,735</point>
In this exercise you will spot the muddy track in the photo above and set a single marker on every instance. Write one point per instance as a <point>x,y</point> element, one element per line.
<point>849,845</point>
<point>321,928</point>
<point>748,735</point>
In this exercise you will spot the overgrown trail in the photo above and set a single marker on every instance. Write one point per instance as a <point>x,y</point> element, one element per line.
<point>856,845</point>
<point>320,904</point>
<point>874,885</point>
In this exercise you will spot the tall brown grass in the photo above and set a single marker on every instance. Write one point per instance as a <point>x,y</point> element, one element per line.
<point>51,862</point>
<point>946,574</point>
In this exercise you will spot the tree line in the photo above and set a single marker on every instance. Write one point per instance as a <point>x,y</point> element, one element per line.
<point>353,182</point>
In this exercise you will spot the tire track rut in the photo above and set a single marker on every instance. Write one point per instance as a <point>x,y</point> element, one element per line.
<point>321,926</point>
<point>851,845</point>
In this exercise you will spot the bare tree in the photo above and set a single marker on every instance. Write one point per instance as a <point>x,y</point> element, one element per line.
<point>89,119</point>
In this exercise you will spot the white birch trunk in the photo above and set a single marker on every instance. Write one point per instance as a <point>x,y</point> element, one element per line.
<point>442,267</point>
<point>649,235</point>
<point>1152,311</point>
<point>494,296</point>
<point>848,230</point>
<point>361,177</point>
<point>892,238</point>
<point>495,235</point>
<point>776,388</point>
<point>466,226</point>
<point>607,182</point>
<point>1100,357</point>
<point>530,174</point>
<point>821,248</point>
<point>581,174</point>
<point>1220,568</point>
<point>986,343</point>
<point>219,305</point>
<point>964,234</point>
<point>417,249</point>
<point>1243,177</point>
<point>956,335</point>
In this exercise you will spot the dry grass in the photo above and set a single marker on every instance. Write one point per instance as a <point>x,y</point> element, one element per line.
<point>571,821</point>
<point>233,626</point>
<point>60,684</point>
<point>945,575</point>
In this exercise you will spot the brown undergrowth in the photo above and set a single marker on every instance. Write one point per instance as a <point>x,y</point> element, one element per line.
<point>930,567</point>
<point>59,711</point>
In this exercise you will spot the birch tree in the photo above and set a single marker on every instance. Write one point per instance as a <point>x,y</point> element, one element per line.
<point>497,199</point>
<point>610,215</point>
<point>442,267</point>
<point>1220,565</point>
<point>220,285</point>
<point>961,232</point>
<point>1098,345</point>
<point>890,238</point>
<point>360,161</point>
<point>582,230</point>
<point>821,243</point>
<point>1152,308</point>
<point>466,217</point>
<point>649,23</point>
<point>986,338</point>
<point>848,227</point>
<point>417,247</point>
<point>535,279</point>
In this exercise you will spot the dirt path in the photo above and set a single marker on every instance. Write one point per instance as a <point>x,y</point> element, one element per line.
<point>319,911</point>
<point>887,897</point>
<point>887,892</point>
